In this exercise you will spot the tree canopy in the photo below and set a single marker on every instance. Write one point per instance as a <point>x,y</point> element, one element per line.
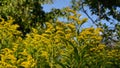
<point>102,8</point>
<point>27,13</point>
<point>107,10</point>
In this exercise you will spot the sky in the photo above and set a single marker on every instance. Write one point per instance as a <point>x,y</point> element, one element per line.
<point>56,4</point>
<point>64,3</point>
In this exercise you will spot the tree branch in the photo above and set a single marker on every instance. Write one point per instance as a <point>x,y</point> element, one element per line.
<point>88,15</point>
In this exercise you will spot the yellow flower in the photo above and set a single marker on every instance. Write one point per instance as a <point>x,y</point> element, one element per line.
<point>57,40</point>
<point>49,25</point>
<point>60,32</point>
<point>78,15</point>
<point>68,31</point>
<point>92,49</point>
<point>7,51</point>
<point>45,35</point>
<point>48,31</point>
<point>70,10</point>
<point>59,28</point>
<point>11,20</point>
<point>101,46</point>
<point>60,24</point>
<point>3,21</point>
<point>24,52</point>
<point>44,54</point>
<point>14,26</point>
<point>84,20</point>
<point>71,17</point>
<point>15,47</point>
<point>12,58</point>
<point>26,64</point>
<point>67,36</point>
<point>72,26</point>
<point>79,22</point>
<point>34,30</point>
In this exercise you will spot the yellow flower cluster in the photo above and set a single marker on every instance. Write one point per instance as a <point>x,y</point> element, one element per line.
<point>90,36</point>
<point>10,60</point>
<point>10,47</point>
<point>75,17</point>
<point>59,46</point>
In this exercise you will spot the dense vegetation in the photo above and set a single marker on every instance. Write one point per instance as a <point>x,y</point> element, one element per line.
<point>50,43</point>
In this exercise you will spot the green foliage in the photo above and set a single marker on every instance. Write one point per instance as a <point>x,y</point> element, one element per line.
<point>103,6</point>
<point>27,13</point>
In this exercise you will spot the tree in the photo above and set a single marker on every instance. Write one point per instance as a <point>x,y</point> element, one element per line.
<point>27,13</point>
<point>101,8</point>
<point>105,10</point>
